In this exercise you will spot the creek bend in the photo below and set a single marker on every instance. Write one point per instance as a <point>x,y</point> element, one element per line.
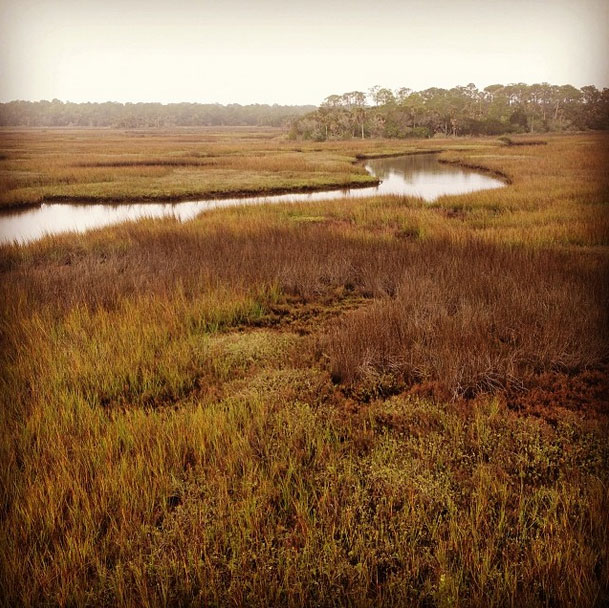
<point>419,175</point>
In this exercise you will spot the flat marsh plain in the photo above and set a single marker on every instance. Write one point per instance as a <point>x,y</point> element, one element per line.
<point>376,402</point>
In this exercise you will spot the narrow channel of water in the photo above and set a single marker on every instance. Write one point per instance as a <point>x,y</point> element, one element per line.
<point>418,175</point>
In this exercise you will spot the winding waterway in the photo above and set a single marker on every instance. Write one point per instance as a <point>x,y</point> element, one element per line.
<point>419,175</point>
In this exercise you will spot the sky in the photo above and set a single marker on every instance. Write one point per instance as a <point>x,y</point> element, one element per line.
<point>271,51</point>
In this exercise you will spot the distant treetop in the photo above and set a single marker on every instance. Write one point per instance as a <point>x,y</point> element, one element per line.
<point>381,112</point>
<point>56,113</point>
<point>462,110</point>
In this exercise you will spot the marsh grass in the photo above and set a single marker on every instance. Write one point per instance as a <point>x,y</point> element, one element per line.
<point>475,318</point>
<point>229,411</point>
<point>104,165</point>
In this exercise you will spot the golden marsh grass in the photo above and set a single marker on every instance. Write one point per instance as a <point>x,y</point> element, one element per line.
<point>371,403</point>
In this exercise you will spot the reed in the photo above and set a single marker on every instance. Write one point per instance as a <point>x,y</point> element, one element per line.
<point>371,403</point>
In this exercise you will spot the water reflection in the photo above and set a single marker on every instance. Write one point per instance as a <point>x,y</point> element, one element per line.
<point>419,175</point>
<point>423,176</point>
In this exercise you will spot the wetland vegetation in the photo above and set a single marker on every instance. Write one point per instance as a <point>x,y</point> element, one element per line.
<point>416,175</point>
<point>370,402</point>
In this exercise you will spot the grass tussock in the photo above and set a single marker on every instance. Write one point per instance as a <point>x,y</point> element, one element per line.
<point>372,403</point>
<point>475,318</point>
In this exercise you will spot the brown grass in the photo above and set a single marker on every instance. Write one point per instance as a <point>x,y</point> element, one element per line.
<point>370,403</point>
<point>470,316</point>
<point>476,318</point>
<point>100,165</point>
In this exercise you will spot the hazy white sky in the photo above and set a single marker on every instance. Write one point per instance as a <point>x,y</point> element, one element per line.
<point>271,51</point>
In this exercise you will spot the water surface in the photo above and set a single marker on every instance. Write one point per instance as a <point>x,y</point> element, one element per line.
<point>419,175</point>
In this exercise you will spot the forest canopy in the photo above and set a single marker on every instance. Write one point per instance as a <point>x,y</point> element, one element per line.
<point>57,113</point>
<point>381,112</point>
<point>462,110</point>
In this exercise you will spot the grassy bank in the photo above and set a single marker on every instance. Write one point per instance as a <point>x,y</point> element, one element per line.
<point>111,166</point>
<point>373,402</point>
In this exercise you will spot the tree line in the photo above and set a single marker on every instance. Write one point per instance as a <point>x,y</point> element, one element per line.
<point>57,113</point>
<point>380,112</point>
<point>464,110</point>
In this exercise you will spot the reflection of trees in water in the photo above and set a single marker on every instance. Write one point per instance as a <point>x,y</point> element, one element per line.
<point>410,165</point>
<point>423,176</point>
